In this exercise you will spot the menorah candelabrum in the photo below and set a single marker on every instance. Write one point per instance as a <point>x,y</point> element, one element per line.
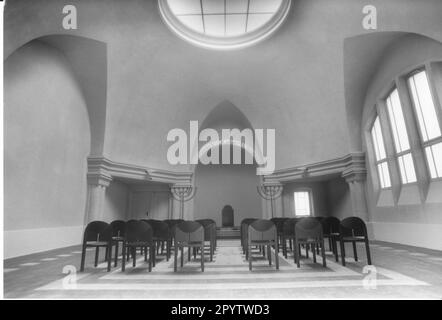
<point>270,192</point>
<point>183,194</point>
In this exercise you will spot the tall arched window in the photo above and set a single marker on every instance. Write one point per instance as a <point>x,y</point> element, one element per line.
<point>400,135</point>
<point>429,126</point>
<point>380,155</point>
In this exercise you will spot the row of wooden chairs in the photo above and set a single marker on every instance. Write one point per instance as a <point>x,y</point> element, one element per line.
<point>310,232</point>
<point>149,236</point>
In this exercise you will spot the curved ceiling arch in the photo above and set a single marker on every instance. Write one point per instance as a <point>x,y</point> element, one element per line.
<point>88,60</point>
<point>363,55</point>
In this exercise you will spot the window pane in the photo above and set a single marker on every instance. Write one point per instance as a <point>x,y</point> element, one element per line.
<point>424,106</point>
<point>185,6</point>
<point>193,22</point>
<point>384,175</point>
<point>406,166</point>
<point>378,140</point>
<point>302,203</point>
<point>397,122</point>
<point>434,159</point>
<point>214,25</point>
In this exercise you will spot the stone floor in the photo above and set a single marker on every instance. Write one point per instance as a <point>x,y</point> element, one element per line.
<point>400,272</point>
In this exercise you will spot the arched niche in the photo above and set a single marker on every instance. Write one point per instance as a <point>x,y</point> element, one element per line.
<point>219,185</point>
<point>55,99</point>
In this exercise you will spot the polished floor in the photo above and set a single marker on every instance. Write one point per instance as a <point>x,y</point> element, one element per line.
<point>400,272</point>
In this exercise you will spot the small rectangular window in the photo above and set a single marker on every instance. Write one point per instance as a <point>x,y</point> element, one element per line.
<point>380,155</point>
<point>302,203</point>
<point>434,158</point>
<point>406,166</point>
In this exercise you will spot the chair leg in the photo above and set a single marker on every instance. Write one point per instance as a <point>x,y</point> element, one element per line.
<point>355,251</point>
<point>109,256</point>
<point>342,252</point>
<point>211,251</point>
<point>324,263</point>
<point>128,254</point>
<point>116,253</point>
<point>97,252</point>
<point>106,254</point>
<point>83,258</point>
<point>123,261</point>
<point>297,249</point>
<point>317,248</point>
<point>284,247</point>
<point>151,255</point>
<point>330,245</point>
<point>290,244</point>
<point>277,257</point>
<point>175,253</point>
<point>367,248</point>
<point>134,257</point>
<point>263,251</point>
<point>269,250</point>
<point>202,257</point>
<point>314,246</point>
<point>335,249</point>
<point>145,254</point>
<point>182,256</point>
<point>168,245</point>
<point>249,249</point>
<point>189,252</point>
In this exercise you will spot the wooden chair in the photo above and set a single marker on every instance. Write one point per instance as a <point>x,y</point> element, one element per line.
<point>118,230</point>
<point>279,223</point>
<point>263,233</point>
<point>161,235</point>
<point>308,231</point>
<point>288,233</point>
<point>188,234</point>
<point>243,234</point>
<point>138,234</point>
<point>97,234</point>
<point>209,234</point>
<point>330,229</point>
<point>353,229</point>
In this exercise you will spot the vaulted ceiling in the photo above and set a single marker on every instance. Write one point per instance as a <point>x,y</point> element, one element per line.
<point>307,81</point>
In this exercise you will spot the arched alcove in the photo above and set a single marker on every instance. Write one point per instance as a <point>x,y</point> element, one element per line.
<point>54,119</point>
<point>227,184</point>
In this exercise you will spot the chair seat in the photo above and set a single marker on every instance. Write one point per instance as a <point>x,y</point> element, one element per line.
<point>118,238</point>
<point>97,243</point>
<point>191,243</point>
<point>355,238</point>
<point>308,240</point>
<point>262,241</point>
<point>138,244</point>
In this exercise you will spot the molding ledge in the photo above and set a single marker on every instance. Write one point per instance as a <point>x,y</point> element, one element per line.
<point>351,167</point>
<point>103,169</point>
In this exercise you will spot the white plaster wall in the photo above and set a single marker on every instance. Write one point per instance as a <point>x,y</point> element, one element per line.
<point>47,140</point>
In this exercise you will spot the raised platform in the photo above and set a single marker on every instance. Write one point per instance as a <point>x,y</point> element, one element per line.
<point>228,232</point>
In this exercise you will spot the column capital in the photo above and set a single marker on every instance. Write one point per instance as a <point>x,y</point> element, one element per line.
<point>99,179</point>
<point>355,175</point>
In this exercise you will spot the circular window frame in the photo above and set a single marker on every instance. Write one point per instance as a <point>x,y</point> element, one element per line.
<point>223,43</point>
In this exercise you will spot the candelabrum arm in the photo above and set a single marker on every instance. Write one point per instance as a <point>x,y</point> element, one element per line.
<point>183,193</point>
<point>270,192</point>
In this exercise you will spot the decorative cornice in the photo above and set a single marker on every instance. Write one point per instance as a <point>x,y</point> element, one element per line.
<point>106,167</point>
<point>346,166</point>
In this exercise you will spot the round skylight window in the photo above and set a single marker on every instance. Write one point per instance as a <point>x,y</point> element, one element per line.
<point>224,24</point>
